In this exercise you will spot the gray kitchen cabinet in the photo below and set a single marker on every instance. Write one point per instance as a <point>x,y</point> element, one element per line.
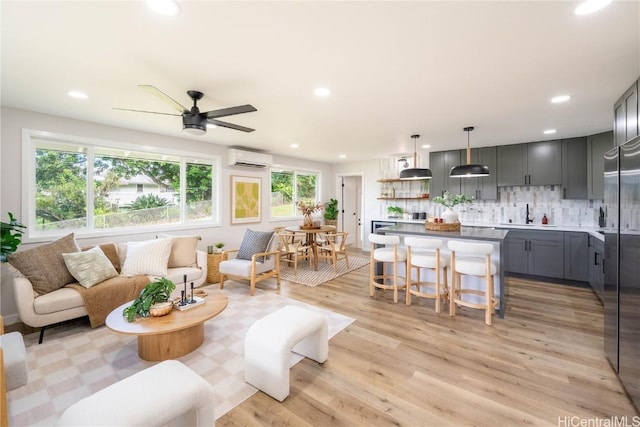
<point>596,266</point>
<point>574,168</point>
<point>535,163</point>
<point>625,111</point>
<point>440,163</point>
<point>597,145</point>
<point>484,188</point>
<point>576,256</point>
<point>539,253</point>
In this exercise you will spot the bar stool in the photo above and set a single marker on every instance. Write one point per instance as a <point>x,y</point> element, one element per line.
<point>388,254</point>
<point>425,253</point>
<point>478,264</point>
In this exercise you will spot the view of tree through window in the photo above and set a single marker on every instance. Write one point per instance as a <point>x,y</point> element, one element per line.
<point>288,188</point>
<point>130,189</point>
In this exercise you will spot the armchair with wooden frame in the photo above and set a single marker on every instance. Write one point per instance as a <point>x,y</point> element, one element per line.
<point>292,250</point>
<point>334,248</point>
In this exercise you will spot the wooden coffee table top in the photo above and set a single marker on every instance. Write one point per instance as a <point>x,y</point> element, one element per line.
<point>176,320</point>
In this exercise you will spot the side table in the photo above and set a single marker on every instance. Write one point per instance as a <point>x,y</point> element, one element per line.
<point>213,272</point>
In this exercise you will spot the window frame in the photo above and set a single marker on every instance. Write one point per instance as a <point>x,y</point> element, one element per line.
<point>28,201</point>
<point>297,214</point>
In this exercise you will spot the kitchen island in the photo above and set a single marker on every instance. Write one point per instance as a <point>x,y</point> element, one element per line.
<point>487,235</point>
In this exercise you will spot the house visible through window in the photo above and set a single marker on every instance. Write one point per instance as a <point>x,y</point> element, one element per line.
<point>288,187</point>
<point>87,188</point>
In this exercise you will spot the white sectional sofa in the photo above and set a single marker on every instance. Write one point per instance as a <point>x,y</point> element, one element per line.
<point>40,309</point>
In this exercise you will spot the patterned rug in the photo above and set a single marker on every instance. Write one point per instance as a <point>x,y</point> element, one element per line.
<point>75,361</point>
<point>307,276</point>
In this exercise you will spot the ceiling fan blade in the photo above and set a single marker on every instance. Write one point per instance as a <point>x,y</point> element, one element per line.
<point>230,111</point>
<point>163,96</point>
<point>230,125</point>
<point>151,112</point>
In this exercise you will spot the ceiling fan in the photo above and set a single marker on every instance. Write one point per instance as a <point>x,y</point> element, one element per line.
<point>193,121</point>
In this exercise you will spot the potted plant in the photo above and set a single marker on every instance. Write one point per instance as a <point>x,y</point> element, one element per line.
<point>157,292</point>
<point>331,212</point>
<point>219,247</point>
<point>10,236</point>
<point>449,200</point>
<point>394,211</point>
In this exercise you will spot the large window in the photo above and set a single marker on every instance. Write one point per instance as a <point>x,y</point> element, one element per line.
<point>288,187</point>
<point>91,187</point>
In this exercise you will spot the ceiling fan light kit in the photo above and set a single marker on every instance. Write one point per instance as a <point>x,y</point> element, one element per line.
<point>415,172</point>
<point>469,170</point>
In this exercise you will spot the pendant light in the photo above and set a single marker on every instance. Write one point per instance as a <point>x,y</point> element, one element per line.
<point>469,170</point>
<point>415,172</point>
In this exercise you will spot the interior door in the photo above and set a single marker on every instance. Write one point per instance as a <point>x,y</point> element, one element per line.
<point>351,189</point>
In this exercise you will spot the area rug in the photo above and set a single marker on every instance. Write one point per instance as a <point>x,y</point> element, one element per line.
<point>75,361</point>
<point>308,276</point>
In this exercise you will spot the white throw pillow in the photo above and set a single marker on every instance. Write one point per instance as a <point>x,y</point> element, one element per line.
<point>90,267</point>
<point>149,258</point>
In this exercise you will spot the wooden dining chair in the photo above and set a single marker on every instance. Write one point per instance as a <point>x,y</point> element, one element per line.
<point>293,249</point>
<point>334,248</point>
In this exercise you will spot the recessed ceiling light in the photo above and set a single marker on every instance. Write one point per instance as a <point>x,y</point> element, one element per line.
<point>211,126</point>
<point>343,156</point>
<point>77,94</point>
<point>322,92</point>
<point>549,131</point>
<point>294,146</point>
<point>426,146</point>
<point>164,7</point>
<point>590,6</point>
<point>560,98</point>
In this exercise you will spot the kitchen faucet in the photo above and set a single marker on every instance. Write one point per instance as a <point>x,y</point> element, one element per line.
<point>528,220</point>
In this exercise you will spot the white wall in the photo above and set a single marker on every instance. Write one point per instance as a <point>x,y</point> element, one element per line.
<point>14,120</point>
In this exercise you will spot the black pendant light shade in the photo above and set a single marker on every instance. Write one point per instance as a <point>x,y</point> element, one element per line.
<point>469,170</point>
<point>415,172</point>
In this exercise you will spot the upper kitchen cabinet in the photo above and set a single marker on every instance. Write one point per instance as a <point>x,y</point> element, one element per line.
<point>535,163</point>
<point>597,145</point>
<point>625,112</point>
<point>440,163</point>
<point>484,188</point>
<point>574,168</point>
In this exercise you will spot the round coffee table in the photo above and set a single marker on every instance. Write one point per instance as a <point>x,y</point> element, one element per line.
<point>171,336</point>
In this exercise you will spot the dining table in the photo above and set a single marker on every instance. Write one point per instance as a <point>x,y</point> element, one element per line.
<point>310,238</point>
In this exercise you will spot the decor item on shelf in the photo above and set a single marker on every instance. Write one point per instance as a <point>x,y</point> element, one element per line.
<point>394,212</point>
<point>219,247</point>
<point>415,172</point>
<point>158,291</point>
<point>10,236</point>
<point>469,170</point>
<point>449,200</point>
<point>331,212</point>
<point>308,208</point>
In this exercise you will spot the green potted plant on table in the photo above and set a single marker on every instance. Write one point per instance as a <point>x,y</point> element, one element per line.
<point>449,200</point>
<point>394,212</point>
<point>219,247</point>
<point>10,236</point>
<point>152,301</point>
<point>331,212</point>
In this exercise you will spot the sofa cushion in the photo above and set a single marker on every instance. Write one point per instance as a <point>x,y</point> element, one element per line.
<point>89,267</point>
<point>183,250</point>
<point>59,300</point>
<point>44,265</point>
<point>176,275</point>
<point>149,257</point>
<point>254,242</point>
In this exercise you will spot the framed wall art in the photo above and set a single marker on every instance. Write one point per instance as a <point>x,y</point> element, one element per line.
<point>245,199</point>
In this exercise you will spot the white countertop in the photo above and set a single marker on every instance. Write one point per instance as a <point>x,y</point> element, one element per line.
<point>593,231</point>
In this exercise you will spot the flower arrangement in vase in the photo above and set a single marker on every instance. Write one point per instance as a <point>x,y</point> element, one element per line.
<point>308,208</point>
<point>449,200</point>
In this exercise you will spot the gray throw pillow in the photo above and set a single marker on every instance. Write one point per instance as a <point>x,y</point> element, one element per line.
<point>254,242</point>
<point>44,265</point>
<point>90,267</point>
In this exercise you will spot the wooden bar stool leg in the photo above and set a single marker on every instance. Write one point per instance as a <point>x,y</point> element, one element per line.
<point>489,293</point>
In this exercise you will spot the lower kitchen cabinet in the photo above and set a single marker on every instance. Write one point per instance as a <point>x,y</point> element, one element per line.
<point>596,265</point>
<point>576,256</point>
<point>539,253</point>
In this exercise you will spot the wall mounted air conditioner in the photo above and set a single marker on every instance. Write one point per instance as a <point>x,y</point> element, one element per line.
<point>249,159</point>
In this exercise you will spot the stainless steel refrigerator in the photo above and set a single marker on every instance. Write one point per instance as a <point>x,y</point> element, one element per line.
<point>622,265</point>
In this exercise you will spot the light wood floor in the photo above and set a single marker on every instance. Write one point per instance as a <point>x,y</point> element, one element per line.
<point>407,366</point>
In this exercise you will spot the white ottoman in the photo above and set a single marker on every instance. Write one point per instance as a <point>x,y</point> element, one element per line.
<point>15,359</point>
<point>270,340</point>
<point>168,393</point>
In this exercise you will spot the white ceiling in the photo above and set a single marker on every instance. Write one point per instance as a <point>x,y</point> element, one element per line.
<point>395,69</point>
